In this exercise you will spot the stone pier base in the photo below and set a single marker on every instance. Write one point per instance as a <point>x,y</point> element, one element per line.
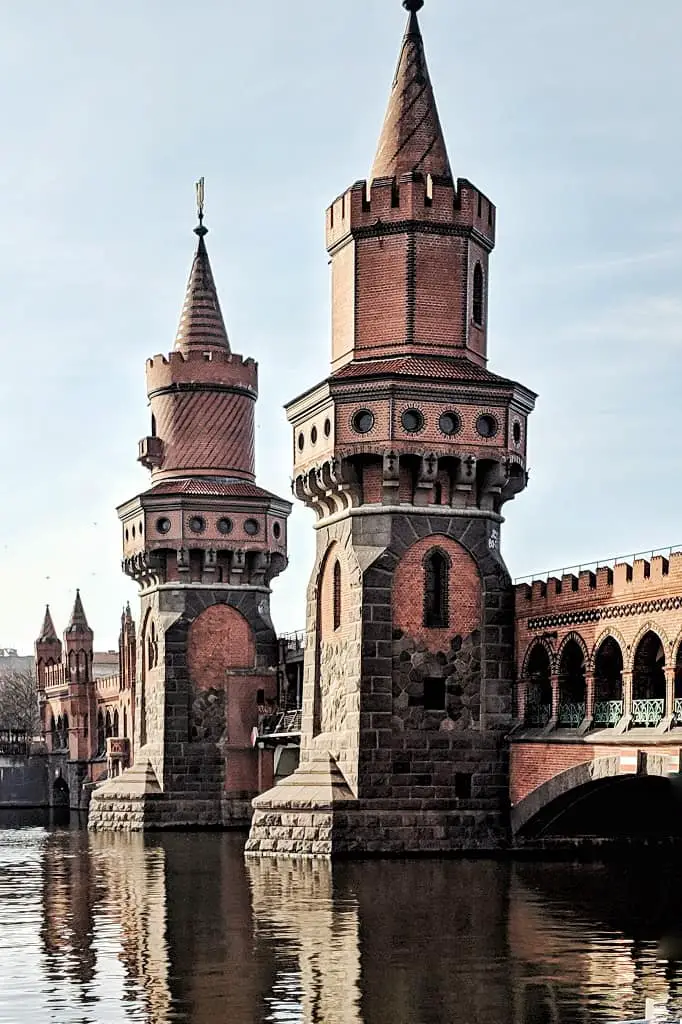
<point>313,814</point>
<point>134,802</point>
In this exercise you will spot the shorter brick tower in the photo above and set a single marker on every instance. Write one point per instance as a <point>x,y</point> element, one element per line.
<point>203,543</point>
<point>407,453</point>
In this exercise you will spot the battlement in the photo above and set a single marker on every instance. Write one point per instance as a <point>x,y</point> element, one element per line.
<point>105,686</point>
<point>209,367</point>
<point>600,584</point>
<point>412,197</point>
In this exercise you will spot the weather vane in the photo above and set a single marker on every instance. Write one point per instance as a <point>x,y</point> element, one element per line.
<point>200,200</point>
<point>413,5</point>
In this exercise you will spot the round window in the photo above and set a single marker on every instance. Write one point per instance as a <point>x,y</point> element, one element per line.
<point>224,526</point>
<point>412,421</point>
<point>277,531</point>
<point>301,442</point>
<point>363,421</point>
<point>163,525</point>
<point>313,435</point>
<point>449,423</point>
<point>251,527</point>
<point>516,432</point>
<point>197,524</point>
<point>486,425</point>
<point>327,428</point>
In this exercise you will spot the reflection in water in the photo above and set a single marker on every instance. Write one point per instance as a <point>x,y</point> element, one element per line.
<point>176,929</point>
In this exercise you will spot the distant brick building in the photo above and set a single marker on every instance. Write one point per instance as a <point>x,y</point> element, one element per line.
<point>86,716</point>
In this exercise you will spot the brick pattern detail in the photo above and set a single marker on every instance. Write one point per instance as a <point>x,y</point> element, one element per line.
<point>381,290</point>
<point>440,316</point>
<point>464,593</point>
<point>220,639</point>
<point>209,430</point>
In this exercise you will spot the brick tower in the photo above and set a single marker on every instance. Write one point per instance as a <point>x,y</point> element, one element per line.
<point>407,453</point>
<point>203,543</point>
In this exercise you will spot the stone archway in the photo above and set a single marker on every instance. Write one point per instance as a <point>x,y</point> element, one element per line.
<point>572,688</point>
<point>608,683</point>
<point>538,676</point>
<point>648,681</point>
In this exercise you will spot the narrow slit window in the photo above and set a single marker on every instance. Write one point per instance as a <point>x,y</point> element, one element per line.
<point>478,295</point>
<point>337,595</point>
<point>436,590</point>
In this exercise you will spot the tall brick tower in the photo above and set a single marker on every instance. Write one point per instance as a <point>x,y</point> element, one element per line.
<point>407,453</point>
<point>203,543</point>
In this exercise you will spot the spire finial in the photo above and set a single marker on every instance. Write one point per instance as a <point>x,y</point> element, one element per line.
<point>201,230</point>
<point>413,5</point>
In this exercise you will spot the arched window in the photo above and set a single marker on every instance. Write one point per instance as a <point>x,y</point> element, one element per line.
<point>65,730</point>
<point>337,594</point>
<point>107,725</point>
<point>125,724</point>
<point>478,295</point>
<point>436,590</point>
<point>153,425</point>
<point>116,722</point>
<point>101,737</point>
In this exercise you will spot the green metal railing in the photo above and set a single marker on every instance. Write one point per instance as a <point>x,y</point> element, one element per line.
<point>648,712</point>
<point>608,712</point>
<point>538,715</point>
<point>571,715</point>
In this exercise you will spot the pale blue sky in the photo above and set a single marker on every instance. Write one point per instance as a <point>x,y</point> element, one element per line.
<point>566,114</point>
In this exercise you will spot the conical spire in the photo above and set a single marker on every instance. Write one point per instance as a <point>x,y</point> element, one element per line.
<point>47,632</point>
<point>78,622</point>
<point>201,322</point>
<point>412,138</point>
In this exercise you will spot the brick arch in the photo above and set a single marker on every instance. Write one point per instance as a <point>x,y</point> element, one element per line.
<point>538,642</point>
<point>465,592</point>
<point>675,648</point>
<point>576,638</point>
<point>219,639</point>
<point>648,627</point>
<point>563,782</point>
<point>609,634</point>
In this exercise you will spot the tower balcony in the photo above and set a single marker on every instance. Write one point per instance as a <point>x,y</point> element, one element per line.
<point>150,452</point>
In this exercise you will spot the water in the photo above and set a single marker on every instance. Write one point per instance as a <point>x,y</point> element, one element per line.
<point>177,928</point>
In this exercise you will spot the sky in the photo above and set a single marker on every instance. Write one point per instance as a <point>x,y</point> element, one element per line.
<point>566,115</point>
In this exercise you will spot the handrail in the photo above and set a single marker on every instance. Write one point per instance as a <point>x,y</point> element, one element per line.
<point>607,563</point>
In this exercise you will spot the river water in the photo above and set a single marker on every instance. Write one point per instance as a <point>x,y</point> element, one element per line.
<point>178,928</point>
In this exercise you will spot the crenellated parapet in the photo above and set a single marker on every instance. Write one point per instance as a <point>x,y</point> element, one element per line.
<point>212,368</point>
<point>389,204</point>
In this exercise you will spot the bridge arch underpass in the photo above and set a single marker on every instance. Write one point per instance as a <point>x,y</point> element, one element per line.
<point>594,801</point>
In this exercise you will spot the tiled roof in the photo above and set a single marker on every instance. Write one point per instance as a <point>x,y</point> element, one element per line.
<point>412,138</point>
<point>201,321</point>
<point>211,488</point>
<point>421,366</point>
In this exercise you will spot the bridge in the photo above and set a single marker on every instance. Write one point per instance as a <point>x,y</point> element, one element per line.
<point>597,746</point>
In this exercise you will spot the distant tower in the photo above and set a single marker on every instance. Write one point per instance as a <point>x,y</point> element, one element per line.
<point>78,655</point>
<point>203,543</point>
<point>407,453</point>
<point>48,664</point>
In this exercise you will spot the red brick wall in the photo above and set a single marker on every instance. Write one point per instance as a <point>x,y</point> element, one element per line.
<point>441,290</point>
<point>220,639</point>
<point>465,595</point>
<point>533,764</point>
<point>372,483</point>
<point>381,314</point>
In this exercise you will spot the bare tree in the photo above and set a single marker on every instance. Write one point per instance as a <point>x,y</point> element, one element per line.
<point>19,702</point>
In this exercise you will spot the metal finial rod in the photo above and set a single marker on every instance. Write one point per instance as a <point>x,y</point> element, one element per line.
<point>413,5</point>
<point>201,230</point>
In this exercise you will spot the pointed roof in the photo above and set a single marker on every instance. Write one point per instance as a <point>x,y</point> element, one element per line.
<point>47,631</point>
<point>201,322</point>
<point>78,622</point>
<point>412,138</point>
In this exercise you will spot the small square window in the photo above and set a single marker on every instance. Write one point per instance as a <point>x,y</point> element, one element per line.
<point>434,694</point>
<point>463,785</point>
